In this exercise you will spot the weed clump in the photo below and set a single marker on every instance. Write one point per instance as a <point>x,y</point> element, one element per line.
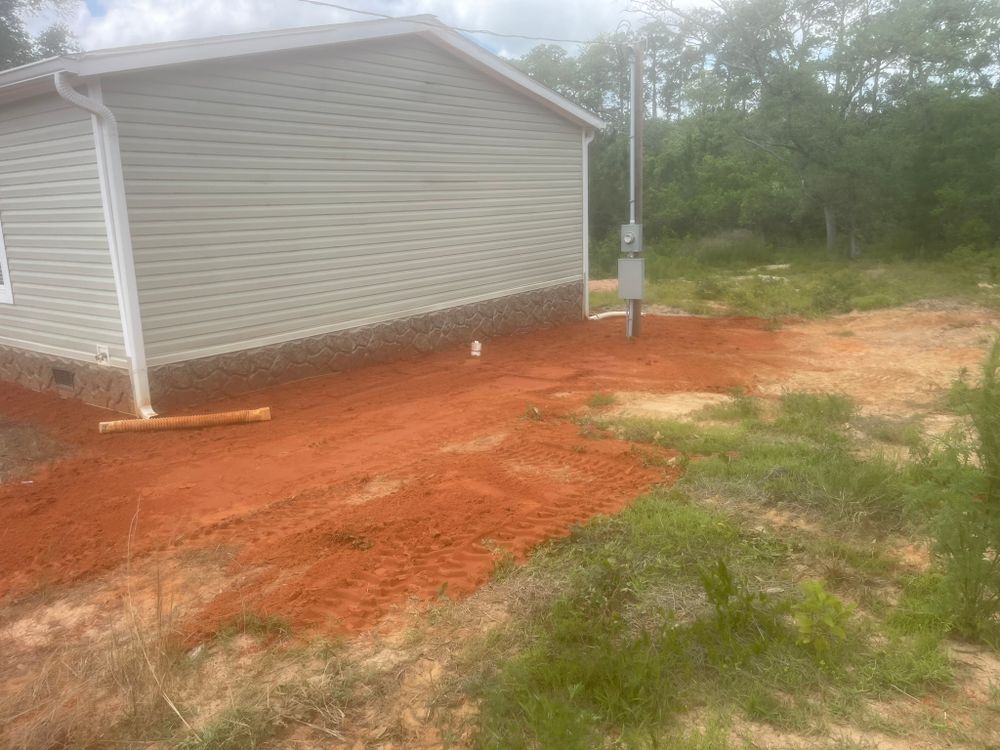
<point>601,400</point>
<point>968,527</point>
<point>822,619</point>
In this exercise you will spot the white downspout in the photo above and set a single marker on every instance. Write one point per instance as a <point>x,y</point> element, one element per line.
<point>112,181</point>
<point>588,136</point>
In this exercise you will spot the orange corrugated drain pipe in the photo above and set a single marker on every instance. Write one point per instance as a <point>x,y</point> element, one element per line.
<point>189,422</point>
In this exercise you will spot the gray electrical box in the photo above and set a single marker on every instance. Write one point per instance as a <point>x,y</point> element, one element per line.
<point>631,239</point>
<point>631,272</point>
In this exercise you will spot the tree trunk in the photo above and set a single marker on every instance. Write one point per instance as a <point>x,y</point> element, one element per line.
<point>855,243</point>
<point>831,229</point>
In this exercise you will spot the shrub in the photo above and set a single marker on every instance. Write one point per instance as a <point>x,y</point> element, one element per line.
<point>739,612</point>
<point>737,246</point>
<point>967,541</point>
<point>599,400</point>
<point>968,530</point>
<point>709,288</point>
<point>837,291</point>
<point>821,619</point>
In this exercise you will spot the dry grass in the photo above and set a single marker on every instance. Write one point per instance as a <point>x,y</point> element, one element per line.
<point>113,679</point>
<point>107,663</point>
<point>23,447</point>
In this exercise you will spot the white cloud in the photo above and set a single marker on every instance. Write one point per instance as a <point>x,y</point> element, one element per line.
<point>125,22</point>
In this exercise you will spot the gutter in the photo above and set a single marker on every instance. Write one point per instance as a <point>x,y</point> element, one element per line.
<point>109,168</point>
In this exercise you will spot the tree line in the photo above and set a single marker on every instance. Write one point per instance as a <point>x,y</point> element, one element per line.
<point>18,47</point>
<point>854,122</point>
<point>845,122</point>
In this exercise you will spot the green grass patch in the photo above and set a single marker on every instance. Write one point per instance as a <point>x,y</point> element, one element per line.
<point>685,602</point>
<point>594,666</point>
<point>683,436</point>
<point>682,275</point>
<point>902,432</point>
<point>269,626</point>
<point>739,407</point>
<point>800,458</point>
<point>601,400</point>
<point>239,728</point>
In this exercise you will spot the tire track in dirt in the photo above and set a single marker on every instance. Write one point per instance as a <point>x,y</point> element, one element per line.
<point>316,537</point>
<point>346,565</point>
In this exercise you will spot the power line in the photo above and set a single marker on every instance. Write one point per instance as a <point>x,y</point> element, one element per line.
<point>455,28</point>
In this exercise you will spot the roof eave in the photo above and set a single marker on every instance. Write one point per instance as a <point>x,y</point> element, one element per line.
<point>496,67</point>
<point>143,57</point>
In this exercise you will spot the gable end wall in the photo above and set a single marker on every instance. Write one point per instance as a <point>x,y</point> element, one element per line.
<point>295,195</point>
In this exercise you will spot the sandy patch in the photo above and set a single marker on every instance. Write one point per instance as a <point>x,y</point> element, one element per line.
<point>895,362</point>
<point>664,405</point>
<point>483,443</point>
<point>375,488</point>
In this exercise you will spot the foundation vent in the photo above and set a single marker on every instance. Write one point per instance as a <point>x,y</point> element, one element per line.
<point>62,378</point>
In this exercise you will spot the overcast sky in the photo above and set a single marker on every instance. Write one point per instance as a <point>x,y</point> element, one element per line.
<point>113,23</point>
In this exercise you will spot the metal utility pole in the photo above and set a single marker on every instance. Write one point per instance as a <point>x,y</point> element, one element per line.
<point>631,267</point>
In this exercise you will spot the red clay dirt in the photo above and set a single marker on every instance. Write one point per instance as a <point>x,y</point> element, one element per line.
<point>391,481</point>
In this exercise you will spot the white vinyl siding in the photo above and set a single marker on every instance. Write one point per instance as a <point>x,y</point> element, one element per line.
<point>293,194</point>
<point>58,265</point>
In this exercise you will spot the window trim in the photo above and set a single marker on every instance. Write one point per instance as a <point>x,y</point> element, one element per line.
<point>6,292</point>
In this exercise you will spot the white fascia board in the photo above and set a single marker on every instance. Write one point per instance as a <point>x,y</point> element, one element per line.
<point>140,57</point>
<point>217,48</point>
<point>33,71</point>
<point>507,73</point>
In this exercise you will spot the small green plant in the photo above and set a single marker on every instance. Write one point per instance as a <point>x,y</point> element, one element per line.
<point>968,532</point>
<point>836,292</point>
<point>740,406</point>
<point>967,543</point>
<point>239,728</point>
<point>257,625</point>
<point>737,609</point>
<point>905,432</point>
<point>709,288</point>
<point>821,619</point>
<point>814,415</point>
<point>504,563</point>
<point>601,400</point>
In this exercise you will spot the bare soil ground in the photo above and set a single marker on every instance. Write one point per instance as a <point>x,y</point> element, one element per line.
<point>896,362</point>
<point>367,488</point>
<point>397,484</point>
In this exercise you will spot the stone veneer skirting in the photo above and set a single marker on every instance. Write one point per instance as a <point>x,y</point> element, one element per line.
<point>109,387</point>
<point>193,381</point>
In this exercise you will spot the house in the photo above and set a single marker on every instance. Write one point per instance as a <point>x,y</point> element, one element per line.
<point>189,220</point>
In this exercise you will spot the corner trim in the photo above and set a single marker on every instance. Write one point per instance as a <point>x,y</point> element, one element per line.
<point>588,136</point>
<point>6,285</point>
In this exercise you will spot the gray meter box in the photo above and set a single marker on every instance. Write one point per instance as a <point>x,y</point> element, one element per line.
<point>631,272</point>
<point>631,238</point>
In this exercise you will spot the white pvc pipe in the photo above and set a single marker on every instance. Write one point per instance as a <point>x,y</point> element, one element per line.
<point>610,314</point>
<point>631,139</point>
